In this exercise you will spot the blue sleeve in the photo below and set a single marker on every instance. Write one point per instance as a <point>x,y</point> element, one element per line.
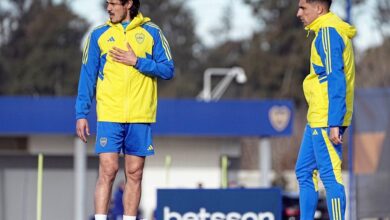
<point>160,63</point>
<point>331,47</point>
<point>88,77</point>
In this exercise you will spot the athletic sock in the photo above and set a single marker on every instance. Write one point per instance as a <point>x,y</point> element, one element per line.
<point>100,217</point>
<point>127,217</point>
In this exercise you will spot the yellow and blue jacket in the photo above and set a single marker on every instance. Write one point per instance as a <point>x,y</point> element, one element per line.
<point>124,94</point>
<point>329,88</point>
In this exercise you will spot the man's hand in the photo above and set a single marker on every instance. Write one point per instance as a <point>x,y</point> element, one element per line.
<point>122,56</point>
<point>82,129</point>
<point>335,136</point>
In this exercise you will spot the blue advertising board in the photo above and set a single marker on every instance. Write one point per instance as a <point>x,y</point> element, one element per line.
<point>219,204</point>
<point>224,118</point>
<point>175,117</point>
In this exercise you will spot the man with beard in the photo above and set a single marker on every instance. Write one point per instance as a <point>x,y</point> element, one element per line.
<point>121,63</point>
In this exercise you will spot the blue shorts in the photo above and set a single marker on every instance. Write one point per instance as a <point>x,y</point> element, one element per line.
<point>131,139</point>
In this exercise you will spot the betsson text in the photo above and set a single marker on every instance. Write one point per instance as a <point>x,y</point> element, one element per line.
<point>204,215</point>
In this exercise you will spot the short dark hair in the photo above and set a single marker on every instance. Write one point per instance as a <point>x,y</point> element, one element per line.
<point>134,8</point>
<point>328,3</point>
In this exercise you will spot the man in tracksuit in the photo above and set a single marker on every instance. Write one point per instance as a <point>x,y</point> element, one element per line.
<point>329,91</point>
<point>121,63</point>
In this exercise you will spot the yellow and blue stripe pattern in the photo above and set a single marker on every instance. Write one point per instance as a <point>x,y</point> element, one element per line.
<point>85,51</point>
<point>318,155</point>
<point>335,159</point>
<point>124,94</point>
<point>164,41</point>
<point>329,86</point>
<point>328,52</point>
<point>336,209</point>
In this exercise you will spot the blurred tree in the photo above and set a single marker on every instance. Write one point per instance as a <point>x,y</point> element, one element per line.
<point>276,59</point>
<point>373,66</point>
<point>383,16</point>
<point>177,24</point>
<point>222,32</point>
<point>40,48</point>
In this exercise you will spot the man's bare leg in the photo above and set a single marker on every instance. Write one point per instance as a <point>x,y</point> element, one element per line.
<point>134,166</point>
<point>108,168</point>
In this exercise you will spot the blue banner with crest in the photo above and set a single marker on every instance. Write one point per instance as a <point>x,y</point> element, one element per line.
<point>219,204</point>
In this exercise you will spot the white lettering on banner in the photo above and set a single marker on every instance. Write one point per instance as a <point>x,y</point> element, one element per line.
<point>249,216</point>
<point>204,215</point>
<point>190,216</point>
<point>233,216</point>
<point>216,216</point>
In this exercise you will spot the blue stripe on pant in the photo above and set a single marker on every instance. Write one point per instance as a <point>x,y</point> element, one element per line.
<point>318,153</point>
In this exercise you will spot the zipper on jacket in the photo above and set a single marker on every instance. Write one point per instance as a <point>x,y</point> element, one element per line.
<point>127,88</point>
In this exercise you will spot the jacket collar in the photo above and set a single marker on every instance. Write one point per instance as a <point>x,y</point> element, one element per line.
<point>332,20</point>
<point>319,22</point>
<point>136,22</point>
